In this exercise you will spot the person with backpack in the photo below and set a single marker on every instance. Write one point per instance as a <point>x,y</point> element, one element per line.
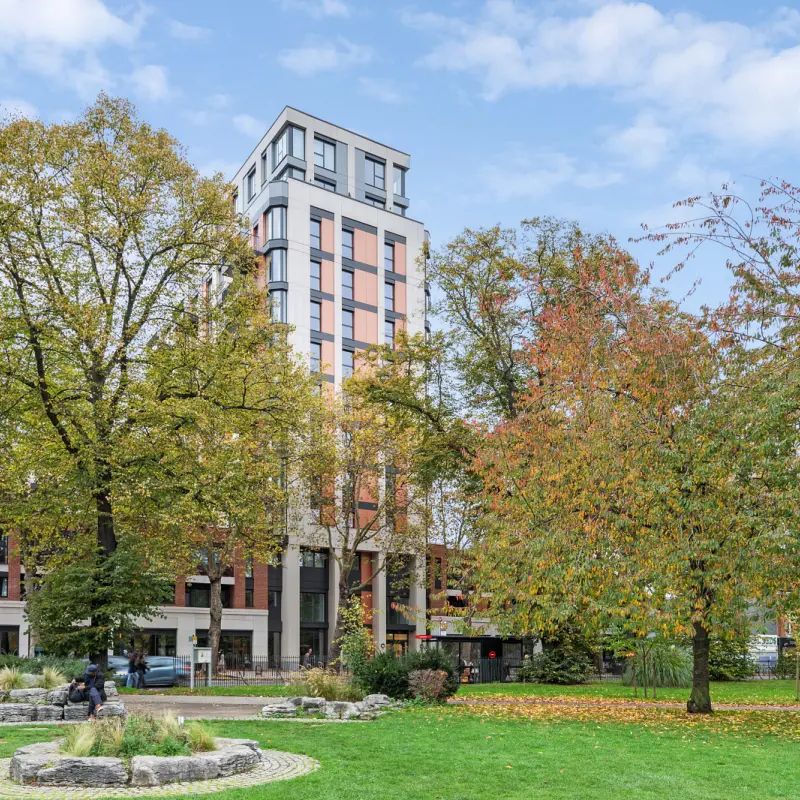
<point>141,669</point>
<point>95,689</point>
<point>132,681</point>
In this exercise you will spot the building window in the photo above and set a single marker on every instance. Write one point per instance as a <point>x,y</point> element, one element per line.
<point>388,296</point>
<point>4,586</point>
<point>292,172</point>
<point>328,186</point>
<point>315,559</point>
<point>276,222</point>
<point>277,265</point>
<point>3,549</point>
<point>278,305</point>
<point>316,357</point>
<point>316,276</point>
<point>347,323</point>
<point>250,183</point>
<point>388,256</point>
<point>299,143</point>
<point>347,363</point>
<point>399,181</point>
<point>256,239</point>
<point>235,201</point>
<point>398,209</point>
<point>437,573</point>
<point>347,284</point>
<point>312,607</point>
<point>388,332</point>
<point>347,244</point>
<point>249,597</point>
<point>316,316</point>
<point>325,154</point>
<point>316,234</point>
<point>264,167</point>
<point>374,201</point>
<point>375,173</point>
<point>279,148</point>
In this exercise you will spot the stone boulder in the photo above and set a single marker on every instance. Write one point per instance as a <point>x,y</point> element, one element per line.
<point>28,760</point>
<point>74,711</point>
<point>17,712</point>
<point>111,710</point>
<point>110,689</point>
<point>49,713</point>
<point>231,760</point>
<point>58,696</point>
<point>158,770</point>
<point>377,700</point>
<point>86,771</point>
<point>312,703</point>
<point>280,709</point>
<point>340,709</point>
<point>37,696</point>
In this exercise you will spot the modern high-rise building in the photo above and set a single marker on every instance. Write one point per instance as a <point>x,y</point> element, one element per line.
<point>331,221</point>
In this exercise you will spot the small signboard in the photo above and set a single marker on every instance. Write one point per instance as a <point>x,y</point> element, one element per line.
<point>202,655</point>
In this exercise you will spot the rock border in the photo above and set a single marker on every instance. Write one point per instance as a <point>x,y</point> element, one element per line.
<point>372,706</point>
<point>42,764</point>
<point>274,766</point>
<point>52,705</point>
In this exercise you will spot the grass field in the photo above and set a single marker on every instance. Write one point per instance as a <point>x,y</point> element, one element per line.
<point>769,692</point>
<point>441,754</point>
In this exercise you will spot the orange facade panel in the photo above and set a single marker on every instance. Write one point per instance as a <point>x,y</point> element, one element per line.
<point>327,317</point>
<point>365,287</point>
<point>365,247</point>
<point>326,277</point>
<point>400,258</point>
<point>326,235</point>
<point>365,326</point>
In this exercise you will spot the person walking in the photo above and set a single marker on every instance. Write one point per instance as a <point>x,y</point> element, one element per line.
<point>133,675</point>
<point>95,687</point>
<point>141,669</point>
<point>308,659</point>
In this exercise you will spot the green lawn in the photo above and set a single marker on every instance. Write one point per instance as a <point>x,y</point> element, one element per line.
<point>776,692</point>
<point>442,755</point>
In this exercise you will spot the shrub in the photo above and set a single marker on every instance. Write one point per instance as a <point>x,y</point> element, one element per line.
<point>560,666</point>
<point>730,660</point>
<point>52,677</point>
<point>37,664</point>
<point>427,684</point>
<point>388,674</point>
<point>785,666</point>
<point>659,663</point>
<point>137,735</point>
<point>320,682</point>
<point>356,644</point>
<point>80,740</point>
<point>11,678</point>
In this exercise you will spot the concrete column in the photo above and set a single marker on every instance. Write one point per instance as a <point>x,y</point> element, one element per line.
<point>184,631</point>
<point>417,599</point>
<point>290,605</point>
<point>334,571</point>
<point>379,605</point>
<point>260,634</point>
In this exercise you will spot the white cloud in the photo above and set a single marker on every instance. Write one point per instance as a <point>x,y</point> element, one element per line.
<point>186,32</point>
<point>15,107</point>
<point>58,39</point>
<point>150,82</point>
<point>249,126</point>
<point>314,58</point>
<point>382,90</point>
<point>643,144</point>
<point>318,8</point>
<point>732,81</point>
<point>518,173</point>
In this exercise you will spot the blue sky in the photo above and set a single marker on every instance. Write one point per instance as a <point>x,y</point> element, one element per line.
<point>605,112</point>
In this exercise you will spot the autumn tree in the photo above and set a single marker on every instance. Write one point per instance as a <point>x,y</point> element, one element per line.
<point>227,406</point>
<point>648,477</point>
<point>362,497</point>
<point>105,230</point>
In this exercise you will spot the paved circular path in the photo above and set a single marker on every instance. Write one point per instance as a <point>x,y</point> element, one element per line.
<point>275,766</point>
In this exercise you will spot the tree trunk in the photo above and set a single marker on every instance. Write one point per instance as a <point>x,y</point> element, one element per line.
<point>215,622</point>
<point>334,646</point>
<point>700,699</point>
<point>107,544</point>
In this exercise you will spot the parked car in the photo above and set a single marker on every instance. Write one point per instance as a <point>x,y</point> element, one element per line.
<point>164,670</point>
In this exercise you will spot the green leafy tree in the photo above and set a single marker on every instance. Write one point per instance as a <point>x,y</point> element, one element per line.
<point>105,230</point>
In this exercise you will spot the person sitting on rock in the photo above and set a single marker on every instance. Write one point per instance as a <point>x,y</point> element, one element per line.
<point>95,683</point>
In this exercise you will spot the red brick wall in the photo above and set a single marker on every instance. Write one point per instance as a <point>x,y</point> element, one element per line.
<point>260,586</point>
<point>180,591</point>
